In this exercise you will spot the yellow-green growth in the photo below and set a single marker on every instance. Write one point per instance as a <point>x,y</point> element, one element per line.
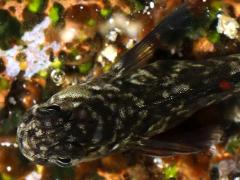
<point>57,64</point>
<point>214,36</point>
<point>85,67</point>
<point>233,144</point>
<point>91,22</point>
<point>137,5</point>
<point>107,68</point>
<point>105,12</point>
<point>217,5</point>
<point>43,74</point>
<point>4,83</point>
<point>170,172</point>
<point>35,6</point>
<point>55,12</point>
<point>6,177</point>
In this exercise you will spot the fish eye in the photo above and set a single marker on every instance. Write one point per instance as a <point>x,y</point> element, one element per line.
<point>63,162</point>
<point>53,108</point>
<point>49,109</point>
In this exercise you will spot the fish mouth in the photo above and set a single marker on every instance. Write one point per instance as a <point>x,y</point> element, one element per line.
<point>30,139</point>
<point>24,145</point>
<point>25,126</point>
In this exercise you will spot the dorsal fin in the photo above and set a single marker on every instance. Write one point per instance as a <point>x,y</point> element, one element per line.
<point>167,32</point>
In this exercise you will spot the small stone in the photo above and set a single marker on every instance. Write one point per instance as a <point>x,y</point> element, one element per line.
<point>110,53</point>
<point>227,26</point>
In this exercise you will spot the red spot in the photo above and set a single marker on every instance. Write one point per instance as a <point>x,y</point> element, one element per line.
<point>225,85</point>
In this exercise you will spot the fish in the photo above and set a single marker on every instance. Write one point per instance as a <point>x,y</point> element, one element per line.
<point>127,107</point>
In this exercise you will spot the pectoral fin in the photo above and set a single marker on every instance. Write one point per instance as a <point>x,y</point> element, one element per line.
<point>177,143</point>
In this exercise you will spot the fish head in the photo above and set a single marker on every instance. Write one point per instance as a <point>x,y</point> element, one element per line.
<point>57,132</point>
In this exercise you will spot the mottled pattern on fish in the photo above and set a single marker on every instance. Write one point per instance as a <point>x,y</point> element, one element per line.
<point>125,108</point>
<point>104,116</point>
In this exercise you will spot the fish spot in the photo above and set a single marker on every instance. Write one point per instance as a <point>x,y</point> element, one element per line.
<point>33,143</point>
<point>39,133</point>
<point>119,123</point>
<point>95,87</point>
<point>115,147</point>
<point>25,144</point>
<point>57,147</point>
<point>143,114</point>
<point>113,106</point>
<point>225,85</point>
<point>122,113</point>
<point>47,123</point>
<point>168,82</point>
<point>140,103</point>
<point>70,146</point>
<point>137,82</point>
<point>31,154</point>
<point>182,112</point>
<point>151,128</point>
<point>22,125</point>
<point>178,70</point>
<point>174,75</point>
<point>129,95</point>
<point>181,88</point>
<point>196,65</point>
<point>165,94</point>
<point>100,97</point>
<point>130,111</point>
<point>76,104</point>
<point>67,126</point>
<point>159,126</point>
<point>43,148</point>
<point>38,156</point>
<point>110,95</point>
<point>146,73</point>
<point>111,87</point>
<point>82,128</point>
<point>210,102</point>
<point>33,125</point>
<point>60,120</point>
<point>71,138</point>
<point>94,115</point>
<point>234,66</point>
<point>98,133</point>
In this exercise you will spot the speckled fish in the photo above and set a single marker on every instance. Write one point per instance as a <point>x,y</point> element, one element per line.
<point>125,108</point>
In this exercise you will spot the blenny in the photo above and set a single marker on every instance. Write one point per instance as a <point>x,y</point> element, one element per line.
<point>125,108</point>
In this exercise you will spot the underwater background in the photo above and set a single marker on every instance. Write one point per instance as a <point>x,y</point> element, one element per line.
<point>47,45</point>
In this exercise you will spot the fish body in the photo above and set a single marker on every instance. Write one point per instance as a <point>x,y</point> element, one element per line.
<point>123,110</point>
<point>84,122</point>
